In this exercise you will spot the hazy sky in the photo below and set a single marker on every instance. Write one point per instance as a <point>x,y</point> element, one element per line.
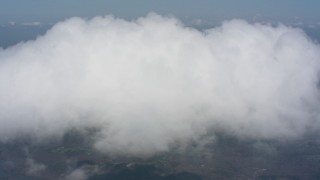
<point>50,11</point>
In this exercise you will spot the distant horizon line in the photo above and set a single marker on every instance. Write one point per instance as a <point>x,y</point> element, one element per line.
<point>192,22</point>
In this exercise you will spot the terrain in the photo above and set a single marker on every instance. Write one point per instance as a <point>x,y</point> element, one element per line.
<point>225,158</point>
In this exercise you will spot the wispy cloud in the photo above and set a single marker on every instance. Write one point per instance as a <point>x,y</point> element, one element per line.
<point>35,23</point>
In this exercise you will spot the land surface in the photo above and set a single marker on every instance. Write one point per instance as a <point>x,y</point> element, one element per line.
<point>225,158</point>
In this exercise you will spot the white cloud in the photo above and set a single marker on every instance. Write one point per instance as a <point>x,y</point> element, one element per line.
<point>150,84</point>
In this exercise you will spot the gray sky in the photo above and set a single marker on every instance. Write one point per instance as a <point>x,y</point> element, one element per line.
<point>51,11</point>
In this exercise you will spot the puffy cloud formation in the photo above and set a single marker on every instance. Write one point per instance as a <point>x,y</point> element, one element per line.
<point>152,83</point>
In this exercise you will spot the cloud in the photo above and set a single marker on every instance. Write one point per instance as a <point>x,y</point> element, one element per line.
<point>198,22</point>
<point>79,174</point>
<point>82,173</point>
<point>35,23</point>
<point>151,83</point>
<point>12,23</point>
<point>34,168</point>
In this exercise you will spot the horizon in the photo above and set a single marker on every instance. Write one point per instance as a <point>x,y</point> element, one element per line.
<point>205,11</point>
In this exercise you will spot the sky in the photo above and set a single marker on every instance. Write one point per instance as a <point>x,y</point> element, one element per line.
<point>51,11</point>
